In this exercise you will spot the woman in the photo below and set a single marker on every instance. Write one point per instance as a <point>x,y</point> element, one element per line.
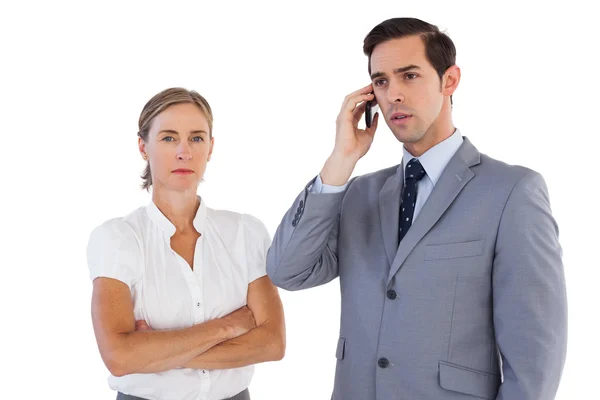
<point>181,306</point>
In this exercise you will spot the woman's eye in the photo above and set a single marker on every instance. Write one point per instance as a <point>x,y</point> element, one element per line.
<point>197,139</point>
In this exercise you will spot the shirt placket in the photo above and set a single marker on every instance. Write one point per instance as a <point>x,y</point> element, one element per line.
<point>196,284</point>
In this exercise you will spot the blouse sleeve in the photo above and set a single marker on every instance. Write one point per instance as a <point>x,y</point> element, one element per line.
<point>258,242</point>
<point>113,251</point>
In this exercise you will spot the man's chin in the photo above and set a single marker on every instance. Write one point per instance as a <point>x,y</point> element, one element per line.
<point>406,137</point>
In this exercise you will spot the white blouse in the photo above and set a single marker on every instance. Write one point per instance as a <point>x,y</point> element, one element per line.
<point>168,294</point>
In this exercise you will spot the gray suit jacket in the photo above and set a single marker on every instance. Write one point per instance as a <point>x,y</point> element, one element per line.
<point>471,304</point>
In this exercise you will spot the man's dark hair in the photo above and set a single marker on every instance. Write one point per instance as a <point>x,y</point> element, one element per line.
<point>439,48</point>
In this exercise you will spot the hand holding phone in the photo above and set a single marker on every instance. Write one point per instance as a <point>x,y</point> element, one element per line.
<point>351,142</point>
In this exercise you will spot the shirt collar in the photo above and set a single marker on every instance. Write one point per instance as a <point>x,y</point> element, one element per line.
<point>436,158</point>
<point>167,227</point>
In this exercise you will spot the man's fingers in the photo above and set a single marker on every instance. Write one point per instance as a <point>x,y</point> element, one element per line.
<point>353,103</point>
<point>351,98</point>
<point>359,111</point>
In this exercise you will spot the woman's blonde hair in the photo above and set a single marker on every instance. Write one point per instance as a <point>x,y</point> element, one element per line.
<point>161,102</point>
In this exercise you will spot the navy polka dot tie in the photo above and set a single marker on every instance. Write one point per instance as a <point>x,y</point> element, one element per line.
<point>413,174</point>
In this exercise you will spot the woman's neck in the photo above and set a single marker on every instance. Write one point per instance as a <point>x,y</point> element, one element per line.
<point>179,207</point>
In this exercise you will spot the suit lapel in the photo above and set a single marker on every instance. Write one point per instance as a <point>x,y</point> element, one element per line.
<point>389,208</point>
<point>454,178</point>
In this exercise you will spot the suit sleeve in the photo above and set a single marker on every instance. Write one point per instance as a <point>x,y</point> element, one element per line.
<point>304,249</point>
<point>529,295</point>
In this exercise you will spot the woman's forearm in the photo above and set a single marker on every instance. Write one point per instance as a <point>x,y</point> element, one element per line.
<point>261,344</point>
<point>149,351</point>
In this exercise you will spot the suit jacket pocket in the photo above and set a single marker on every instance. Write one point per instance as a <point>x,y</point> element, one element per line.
<point>453,250</point>
<point>469,381</point>
<point>341,348</point>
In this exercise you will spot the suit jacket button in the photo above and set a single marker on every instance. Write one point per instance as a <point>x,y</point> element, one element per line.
<point>294,223</point>
<point>383,362</point>
<point>391,294</point>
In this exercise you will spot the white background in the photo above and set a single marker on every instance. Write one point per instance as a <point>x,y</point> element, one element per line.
<point>74,78</point>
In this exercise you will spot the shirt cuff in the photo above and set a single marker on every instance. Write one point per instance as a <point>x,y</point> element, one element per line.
<point>319,187</point>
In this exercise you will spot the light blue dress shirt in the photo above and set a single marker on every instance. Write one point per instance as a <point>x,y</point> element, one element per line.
<point>434,162</point>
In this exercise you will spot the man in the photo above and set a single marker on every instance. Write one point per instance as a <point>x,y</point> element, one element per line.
<point>450,268</point>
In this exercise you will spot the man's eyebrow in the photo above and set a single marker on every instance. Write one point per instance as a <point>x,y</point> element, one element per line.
<point>400,70</point>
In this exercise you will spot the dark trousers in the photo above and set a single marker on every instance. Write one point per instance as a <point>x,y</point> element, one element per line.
<point>244,395</point>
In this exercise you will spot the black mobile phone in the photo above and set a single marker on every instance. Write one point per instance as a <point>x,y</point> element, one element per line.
<point>370,109</point>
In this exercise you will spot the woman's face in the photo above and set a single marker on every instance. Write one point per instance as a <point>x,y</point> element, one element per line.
<point>178,147</point>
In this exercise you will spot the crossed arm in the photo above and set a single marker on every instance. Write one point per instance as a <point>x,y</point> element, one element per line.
<point>250,335</point>
<point>266,342</point>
